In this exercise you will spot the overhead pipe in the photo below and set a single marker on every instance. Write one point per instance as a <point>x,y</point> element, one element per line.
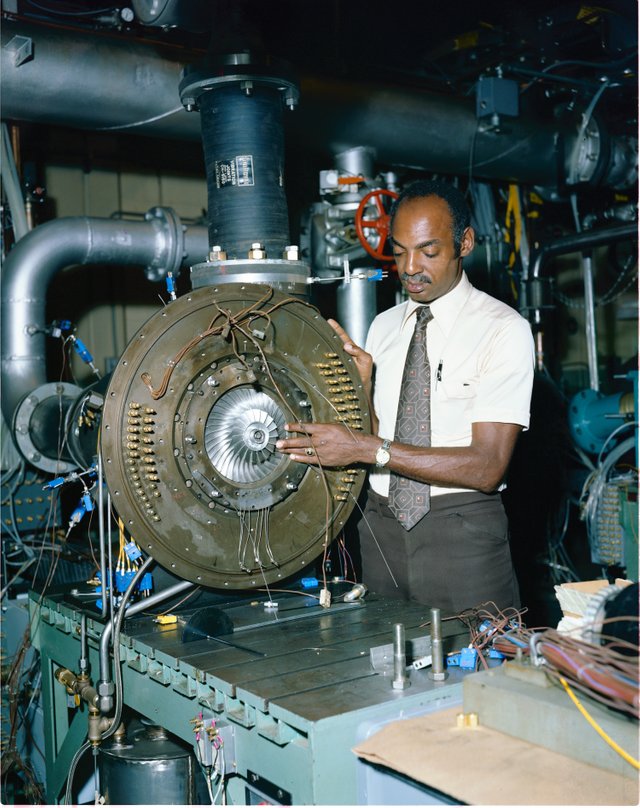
<point>425,130</point>
<point>119,83</point>
<point>159,244</point>
<point>95,81</point>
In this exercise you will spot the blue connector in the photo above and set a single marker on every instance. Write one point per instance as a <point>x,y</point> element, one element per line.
<point>468,659</point>
<point>87,502</point>
<point>171,285</point>
<point>453,660</point>
<point>123,579</point>
<point>375,275</point>
<point>82,350</point>
<point>77,514</point>
<point>146,582</point>
<point>55,483</point>
<point>60,327</point>
<point>132,550</point>
<point>515,640</point>
<point>309,583</point>
<point>495,654</point>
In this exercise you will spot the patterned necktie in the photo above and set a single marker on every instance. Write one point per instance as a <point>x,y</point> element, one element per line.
<point>410,500</point>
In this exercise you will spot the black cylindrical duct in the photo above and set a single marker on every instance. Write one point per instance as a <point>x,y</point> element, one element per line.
<point>244,156</point>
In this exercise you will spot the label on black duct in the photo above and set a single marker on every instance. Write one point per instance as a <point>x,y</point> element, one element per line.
<point>237,171</point>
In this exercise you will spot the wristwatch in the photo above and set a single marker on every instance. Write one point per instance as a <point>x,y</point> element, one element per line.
<point>383,456</point>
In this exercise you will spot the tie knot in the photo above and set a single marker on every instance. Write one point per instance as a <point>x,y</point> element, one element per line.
<point>423,315</point>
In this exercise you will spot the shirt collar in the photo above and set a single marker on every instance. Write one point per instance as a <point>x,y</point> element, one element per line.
<point>446,308</point>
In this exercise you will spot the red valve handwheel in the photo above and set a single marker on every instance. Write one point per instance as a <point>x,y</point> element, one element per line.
<point>380,225</point>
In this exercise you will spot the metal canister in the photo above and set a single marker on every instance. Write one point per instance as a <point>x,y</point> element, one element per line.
<point>148,766</point>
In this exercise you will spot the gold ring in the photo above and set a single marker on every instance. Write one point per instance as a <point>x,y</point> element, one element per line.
<point>309,451</point>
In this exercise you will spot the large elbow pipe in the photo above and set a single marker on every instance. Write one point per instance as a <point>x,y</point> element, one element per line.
<point>158,244</point>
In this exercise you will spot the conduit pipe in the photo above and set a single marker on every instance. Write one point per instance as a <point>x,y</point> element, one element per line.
<point>105,689</point>
<point>534,291</point>
<point>577,242</point>
<point>159,244</point>
<point>116,83</point>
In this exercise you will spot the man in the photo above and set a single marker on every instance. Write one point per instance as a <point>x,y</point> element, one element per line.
<point>479,373</point>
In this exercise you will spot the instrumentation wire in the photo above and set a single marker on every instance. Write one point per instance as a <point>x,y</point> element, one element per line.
<point>616,747</point>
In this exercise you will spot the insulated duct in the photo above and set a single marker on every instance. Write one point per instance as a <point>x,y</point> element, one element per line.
<point>241,102</point>
<point>116,83</point>
<point>247,203</point>
<point>241,99</point>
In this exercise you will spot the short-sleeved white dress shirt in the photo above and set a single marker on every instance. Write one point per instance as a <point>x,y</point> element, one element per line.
<point>481,355</point>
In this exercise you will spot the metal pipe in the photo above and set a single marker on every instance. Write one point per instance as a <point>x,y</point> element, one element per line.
<point>83,663</point>
<point>12,187</point>
<point>94,82</point>
<point>590,322</point>
<point>140,606</point>
<point>533,292</point>
<point>581,241</point>
<point>110,83</point>
<point>109,554</point>
<point>356,307</point>
<point>37,258</point>
<point>101,538</point>
<point>413,128</point>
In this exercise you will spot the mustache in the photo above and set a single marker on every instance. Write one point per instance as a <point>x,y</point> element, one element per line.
<point>413,278</point>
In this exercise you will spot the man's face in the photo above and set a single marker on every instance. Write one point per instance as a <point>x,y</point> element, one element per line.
<point>422,239</point>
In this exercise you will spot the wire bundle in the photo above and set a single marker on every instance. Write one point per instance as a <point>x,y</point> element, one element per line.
<point>602,671</point>
<point>487,625</point>
<point>608,672</point>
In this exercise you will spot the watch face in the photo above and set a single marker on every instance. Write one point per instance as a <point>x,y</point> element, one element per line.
<point>382,457</point>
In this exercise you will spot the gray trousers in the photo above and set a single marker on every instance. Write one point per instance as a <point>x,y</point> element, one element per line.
<point>455,558</point>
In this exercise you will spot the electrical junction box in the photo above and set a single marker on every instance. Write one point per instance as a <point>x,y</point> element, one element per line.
<point>496,96</point>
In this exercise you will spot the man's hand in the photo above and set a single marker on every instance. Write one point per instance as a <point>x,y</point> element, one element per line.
<point>363,360</point>
<point>327,445</point>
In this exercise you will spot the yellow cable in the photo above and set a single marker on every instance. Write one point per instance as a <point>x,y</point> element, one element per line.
<point>513,215</point>
<point>635,763</point>
<point>120,565</point>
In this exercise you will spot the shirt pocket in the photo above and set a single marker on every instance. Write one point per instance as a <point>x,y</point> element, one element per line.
<point>451,410</point>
